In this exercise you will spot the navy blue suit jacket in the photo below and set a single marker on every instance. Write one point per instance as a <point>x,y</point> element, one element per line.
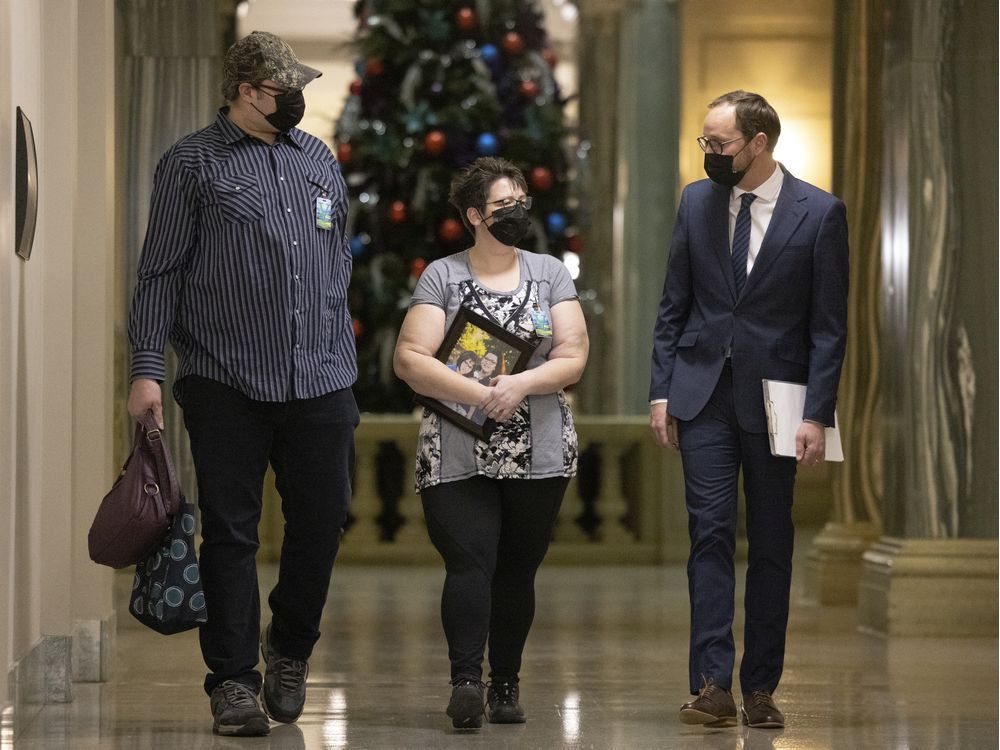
<point>790,322</point>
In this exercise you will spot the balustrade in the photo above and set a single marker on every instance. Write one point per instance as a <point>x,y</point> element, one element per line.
<point>625,506</point>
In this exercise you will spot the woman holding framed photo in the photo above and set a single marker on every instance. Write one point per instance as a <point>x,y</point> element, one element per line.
<point>491,498</point>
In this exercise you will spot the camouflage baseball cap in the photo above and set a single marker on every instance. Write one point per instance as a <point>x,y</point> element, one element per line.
<point>261,55</point>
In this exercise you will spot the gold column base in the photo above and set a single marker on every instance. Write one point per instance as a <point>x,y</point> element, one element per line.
<point>929,587</point>
<point>833,568</point>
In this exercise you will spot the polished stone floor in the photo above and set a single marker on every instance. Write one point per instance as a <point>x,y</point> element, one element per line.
<point>604,667</point>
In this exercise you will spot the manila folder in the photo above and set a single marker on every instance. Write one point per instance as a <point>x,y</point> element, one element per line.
<point>784,403</point>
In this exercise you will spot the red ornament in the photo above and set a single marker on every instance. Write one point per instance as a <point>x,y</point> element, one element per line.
<point>549,56</point>
<point>541,178</point>
<point>357,327</point>
<point>355,87</point>
<point>574,243</point>
<point>434,142</point>
<point>344,152</point>
<point>397,212</point>
<point>417,267</point>
<point>374,67</point>
<point>466,19</point>
<point>529,89</point>
<point>513,43</point>
<point>450,230</point>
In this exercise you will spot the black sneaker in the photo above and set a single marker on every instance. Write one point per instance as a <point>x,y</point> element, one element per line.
<point>284,693</point>
<point>466,705</point>
<point>501,702</point>
<point>235,711</point>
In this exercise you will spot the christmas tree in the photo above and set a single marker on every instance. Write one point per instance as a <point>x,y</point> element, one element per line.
<point>440,83</point>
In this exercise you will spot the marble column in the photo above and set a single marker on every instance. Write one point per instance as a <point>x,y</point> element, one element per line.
<point>629,112</point>
<point>935,570</point>
<point>834,563</point>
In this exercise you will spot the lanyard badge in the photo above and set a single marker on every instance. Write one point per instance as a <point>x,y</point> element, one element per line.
<point>543,326</point>
<point>324,213</point>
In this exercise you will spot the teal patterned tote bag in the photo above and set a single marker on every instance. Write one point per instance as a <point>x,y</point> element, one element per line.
<point>166,592</point>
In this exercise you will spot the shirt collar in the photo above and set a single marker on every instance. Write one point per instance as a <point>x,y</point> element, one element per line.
<point>231,132</point>
<point>768,190</point>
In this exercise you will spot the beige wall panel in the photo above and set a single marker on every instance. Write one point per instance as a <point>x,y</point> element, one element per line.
<point>784,53</point>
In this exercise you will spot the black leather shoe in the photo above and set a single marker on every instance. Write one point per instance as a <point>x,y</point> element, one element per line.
<point>466,705</point>
<point>284,693</point>
<point>714,707</point>
<point>501,702</point>
<point>760,712</point>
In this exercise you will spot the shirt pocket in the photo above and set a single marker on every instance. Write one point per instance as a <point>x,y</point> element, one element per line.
<point>321,184</point>
<point>239,197</point>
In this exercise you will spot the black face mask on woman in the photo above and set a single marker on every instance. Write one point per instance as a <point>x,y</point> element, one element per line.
<point>510,224</point>
<point>289,109</point>
<point>719,168</point>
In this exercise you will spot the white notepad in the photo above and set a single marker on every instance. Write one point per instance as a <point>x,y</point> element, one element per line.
<point>784,403</point>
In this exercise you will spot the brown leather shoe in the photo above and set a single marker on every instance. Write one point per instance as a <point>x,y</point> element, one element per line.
<point>760,712</point>
<point>714,707</point>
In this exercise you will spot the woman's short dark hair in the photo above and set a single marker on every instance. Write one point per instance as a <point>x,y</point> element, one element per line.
<point>465,356</point>
<point>471,186</point>
<point>753,115</point>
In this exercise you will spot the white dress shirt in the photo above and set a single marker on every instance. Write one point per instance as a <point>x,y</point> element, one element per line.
<point>761,211</point>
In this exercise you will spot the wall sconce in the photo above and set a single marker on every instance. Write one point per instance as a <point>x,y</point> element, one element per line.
<point>25,187</point>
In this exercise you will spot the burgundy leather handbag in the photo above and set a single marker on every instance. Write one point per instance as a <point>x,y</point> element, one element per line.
<point>134,516</point>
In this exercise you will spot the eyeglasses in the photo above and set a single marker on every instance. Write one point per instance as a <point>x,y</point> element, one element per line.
<point>272,91</point>
<point>715,146</point>
<point>524,202</point>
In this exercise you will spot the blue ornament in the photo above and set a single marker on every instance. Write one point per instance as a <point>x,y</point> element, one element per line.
<point>487,145</point>
<point>358,245</point>
<point>359,67</point>
<point>490,54</point>
<point>555,223</point>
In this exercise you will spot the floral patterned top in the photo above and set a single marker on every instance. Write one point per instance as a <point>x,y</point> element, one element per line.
<point>539,440</point>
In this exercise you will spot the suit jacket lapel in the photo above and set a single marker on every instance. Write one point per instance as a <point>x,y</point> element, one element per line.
<point>717,221</point>
<point>788,214</point>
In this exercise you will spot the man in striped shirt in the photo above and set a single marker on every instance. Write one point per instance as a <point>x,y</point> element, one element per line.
<point>244,270</point>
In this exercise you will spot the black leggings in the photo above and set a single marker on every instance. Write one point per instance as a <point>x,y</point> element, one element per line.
<point>492,534</point>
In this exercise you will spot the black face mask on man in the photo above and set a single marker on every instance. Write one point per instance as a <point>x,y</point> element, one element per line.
<point>290,106</point>
<point>719,168</point>
<point>510,224</point>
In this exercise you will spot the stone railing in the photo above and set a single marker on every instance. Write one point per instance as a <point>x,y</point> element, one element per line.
<point>614,510</point>
<point>625,506</point>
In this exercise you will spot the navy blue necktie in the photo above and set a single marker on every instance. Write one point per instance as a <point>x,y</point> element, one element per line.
<point>741,242</point>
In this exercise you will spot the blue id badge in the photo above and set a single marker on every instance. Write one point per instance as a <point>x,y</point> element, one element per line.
<point>324,213</point>
<point>543,326</point>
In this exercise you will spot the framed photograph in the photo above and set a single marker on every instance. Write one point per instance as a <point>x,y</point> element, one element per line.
<point>477,348</point>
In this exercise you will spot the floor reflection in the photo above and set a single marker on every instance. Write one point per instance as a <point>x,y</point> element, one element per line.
<point>605,667</point>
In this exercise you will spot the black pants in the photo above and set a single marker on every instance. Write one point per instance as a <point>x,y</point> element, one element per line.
<point>310,445</point>
<point>492,534</point>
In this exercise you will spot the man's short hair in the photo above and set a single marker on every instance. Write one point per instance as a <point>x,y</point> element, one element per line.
<point>753,115</point>
<point>261,56</point>
<point>471,187</point>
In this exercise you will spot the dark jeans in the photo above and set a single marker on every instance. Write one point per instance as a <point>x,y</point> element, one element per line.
<point>713,449</point>
<point>310,445</point>
<point>492,534</point>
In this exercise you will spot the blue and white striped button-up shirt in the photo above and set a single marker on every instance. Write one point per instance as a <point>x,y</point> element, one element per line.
<point>236,272</point>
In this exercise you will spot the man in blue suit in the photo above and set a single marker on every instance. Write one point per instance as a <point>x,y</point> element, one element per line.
<point>756,288</point>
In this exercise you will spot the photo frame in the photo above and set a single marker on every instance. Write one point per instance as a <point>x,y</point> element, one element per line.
<point>478,348</point>
<point>25,187</point>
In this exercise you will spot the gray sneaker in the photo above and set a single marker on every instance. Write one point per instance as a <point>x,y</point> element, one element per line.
<point>235,711</point>
<point>284,692</point>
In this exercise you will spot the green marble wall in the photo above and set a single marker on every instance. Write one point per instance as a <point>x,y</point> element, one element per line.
<point>939,266</point>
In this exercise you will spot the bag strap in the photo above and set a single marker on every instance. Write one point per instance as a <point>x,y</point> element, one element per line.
<point>164,463</point>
